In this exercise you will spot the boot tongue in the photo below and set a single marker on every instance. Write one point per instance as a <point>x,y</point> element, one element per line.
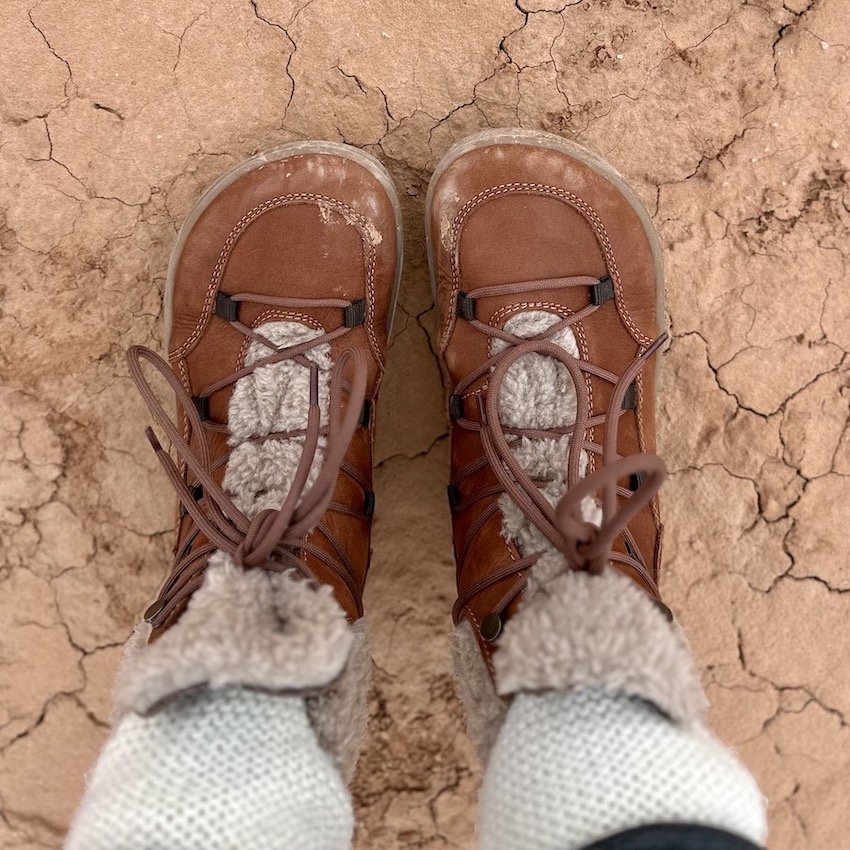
<point>538,393</point>
<point>271,399</point>
<point>260,468</point>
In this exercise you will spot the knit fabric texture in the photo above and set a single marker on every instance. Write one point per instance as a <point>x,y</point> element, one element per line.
<point>571,767</point>
<point>229,769</point>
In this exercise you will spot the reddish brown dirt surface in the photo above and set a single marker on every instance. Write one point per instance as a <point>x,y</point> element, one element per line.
<point>731,120</point>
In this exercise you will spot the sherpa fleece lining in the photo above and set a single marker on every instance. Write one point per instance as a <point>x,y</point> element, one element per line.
<point>603,631</point>
<point>270,631</point>
<point>579,630</point>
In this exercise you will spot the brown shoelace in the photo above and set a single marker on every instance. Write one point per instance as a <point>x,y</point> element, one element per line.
<point>274,539</point>
<point>585,546</point>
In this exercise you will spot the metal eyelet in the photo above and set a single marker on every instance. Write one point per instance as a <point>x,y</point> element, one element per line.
<point>491,627</point>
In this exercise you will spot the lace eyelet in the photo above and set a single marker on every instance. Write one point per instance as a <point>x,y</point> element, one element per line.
<point>491,627</point>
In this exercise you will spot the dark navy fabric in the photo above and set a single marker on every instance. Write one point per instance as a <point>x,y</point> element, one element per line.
<point>673,836</point>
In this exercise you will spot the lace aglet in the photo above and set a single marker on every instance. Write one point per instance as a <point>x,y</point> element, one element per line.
<point>314,385</point>
<point>152,439</point>
<point>657,343</point>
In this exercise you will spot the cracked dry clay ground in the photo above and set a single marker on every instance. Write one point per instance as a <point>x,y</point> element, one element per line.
<point>730,118</point>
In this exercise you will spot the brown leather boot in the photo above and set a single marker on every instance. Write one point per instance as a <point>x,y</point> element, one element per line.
<point>280,295</point>
<point>549,280</point>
